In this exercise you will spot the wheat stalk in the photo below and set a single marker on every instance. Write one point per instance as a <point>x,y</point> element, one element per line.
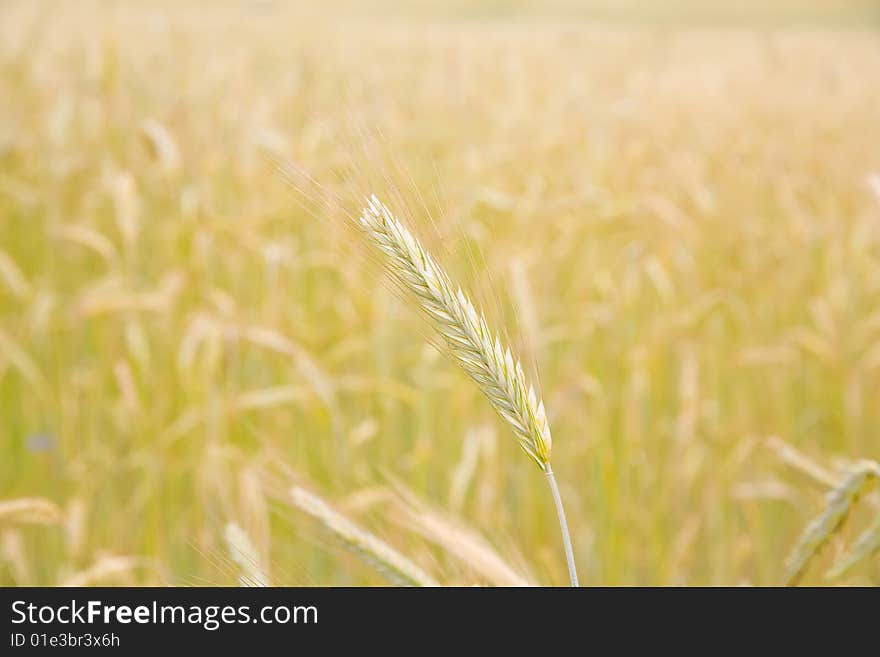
<point>469,340</point>
<point>839,502</point>
<point>370,548</point>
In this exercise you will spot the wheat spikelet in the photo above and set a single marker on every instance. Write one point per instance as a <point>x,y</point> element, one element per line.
<point>839,502</point>
<point>368,547</point>
<point>467,336</point>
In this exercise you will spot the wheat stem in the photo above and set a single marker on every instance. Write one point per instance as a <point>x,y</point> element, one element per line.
<point>563,525</point>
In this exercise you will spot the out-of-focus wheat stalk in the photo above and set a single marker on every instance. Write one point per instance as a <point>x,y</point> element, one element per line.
<point>374,551</point>
<point>470,341</point>
<point>839,503</point>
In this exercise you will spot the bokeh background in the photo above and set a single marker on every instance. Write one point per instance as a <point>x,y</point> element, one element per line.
<point>672,208</point>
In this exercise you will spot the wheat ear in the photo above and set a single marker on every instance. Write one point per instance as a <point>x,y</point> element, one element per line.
<point>839,502</point>
<point>246,556</point>
<point>476,349</point>
<point>458,540</point>
<point>29,510</point>
<point>866,545</point>
<point>373,550</point>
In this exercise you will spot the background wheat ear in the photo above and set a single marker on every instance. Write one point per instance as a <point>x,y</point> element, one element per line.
<point>29,510</point>
<point>463,543</point>
<point>865,546</point>
<point>476,348</point>
<point>252,573</point>
<point>370,548</point>
<point>840,501</point>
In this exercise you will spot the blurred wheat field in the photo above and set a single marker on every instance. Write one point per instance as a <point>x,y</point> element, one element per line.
<point>681,223</point>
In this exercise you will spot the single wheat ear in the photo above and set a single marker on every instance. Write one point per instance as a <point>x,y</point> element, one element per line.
<point>29,510</point>
<point>865,546</point>
<point>246,556</point>
<point>469,341</point>
<point>370,548</point>
<point>839,503</point>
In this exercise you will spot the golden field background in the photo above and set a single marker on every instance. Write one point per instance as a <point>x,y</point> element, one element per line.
<point>678,212</point>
